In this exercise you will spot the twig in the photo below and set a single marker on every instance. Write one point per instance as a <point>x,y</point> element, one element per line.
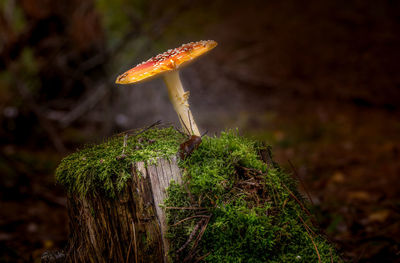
<point>191,236</point>
<point>185,208</point>
<point>301,181</point>
<point>181,132</point>
<point>297,200</point>
<point>198,238</point>
<point>85,105</point>
<point>315,246</point>
<point>188,218</point>
<point>184,125</point>
<point>141,131</point>
<point>149,127</point>
<point>202,257</point>
<point>307,226</point>
<point>203,229</point>
<point>312,240</point>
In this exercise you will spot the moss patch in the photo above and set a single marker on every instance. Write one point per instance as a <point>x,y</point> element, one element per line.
<point>233,207</point>
<point>105,168</point>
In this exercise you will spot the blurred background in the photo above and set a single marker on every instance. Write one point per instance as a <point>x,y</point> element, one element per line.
<point>317,80</point>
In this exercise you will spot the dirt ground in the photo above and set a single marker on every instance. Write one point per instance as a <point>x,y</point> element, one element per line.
<point>317,80</point>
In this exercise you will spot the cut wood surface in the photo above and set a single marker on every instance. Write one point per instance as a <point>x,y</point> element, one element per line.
<point>130,228</point>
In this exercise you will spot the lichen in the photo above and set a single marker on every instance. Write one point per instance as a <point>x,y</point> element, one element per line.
<point>250,211</point>
<point>105,168</point>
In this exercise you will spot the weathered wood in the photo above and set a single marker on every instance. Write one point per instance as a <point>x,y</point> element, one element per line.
<point>128,229</point>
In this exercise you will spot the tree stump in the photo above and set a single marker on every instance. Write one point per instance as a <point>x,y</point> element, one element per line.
<point>236,204</point>
<point>130,228</point>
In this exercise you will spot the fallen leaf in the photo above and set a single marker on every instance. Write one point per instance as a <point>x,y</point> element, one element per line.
<point>337,177</point>
<point>379,216</point>
<point>359,196</point>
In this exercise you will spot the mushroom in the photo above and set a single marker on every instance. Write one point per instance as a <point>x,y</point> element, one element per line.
<point>168,64</point>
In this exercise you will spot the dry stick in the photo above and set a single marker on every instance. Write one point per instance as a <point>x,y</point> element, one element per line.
<point>297,200</point>
<point>315,246</point>
<point>198,238</point>
<point>185,208</point>
<point>178,130</point>
<point>309,228</point>
<point>190,121</point>
<point>191,236</point>
<point>309,235</point>
<point>141,131</point>
<point>301,204</point>
<point>203,229</point>
<point>149,127</point>
<point>202,257</point>
<point>301,181</point>
<point>88,103</point>
<point>184,125</point>
<point>330,252</point>
<point>188,218</point>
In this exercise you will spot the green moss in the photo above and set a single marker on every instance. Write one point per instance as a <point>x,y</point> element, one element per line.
<point>105,168</point>
<point>250,211</point>
<point>254,208</point>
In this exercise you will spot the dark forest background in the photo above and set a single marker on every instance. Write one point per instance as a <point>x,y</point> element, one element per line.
<point>317,80</point>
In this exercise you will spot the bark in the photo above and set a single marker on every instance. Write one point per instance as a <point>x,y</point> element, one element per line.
<point>130,228</point>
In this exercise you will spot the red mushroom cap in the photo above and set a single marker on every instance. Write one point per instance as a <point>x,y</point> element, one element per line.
<point>170,60</point>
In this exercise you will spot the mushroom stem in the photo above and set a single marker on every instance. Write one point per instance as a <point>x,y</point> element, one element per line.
<point>179,99</point>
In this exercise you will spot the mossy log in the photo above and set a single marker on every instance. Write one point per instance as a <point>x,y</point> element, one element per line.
<point>129,228</point>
